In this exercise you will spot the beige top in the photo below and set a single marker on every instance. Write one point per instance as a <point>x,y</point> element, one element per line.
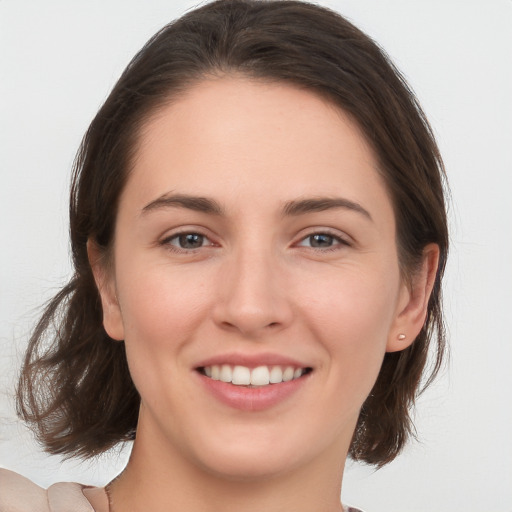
<point>19,494</point>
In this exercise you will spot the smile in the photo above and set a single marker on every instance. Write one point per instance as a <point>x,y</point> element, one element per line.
<point>260,376</point>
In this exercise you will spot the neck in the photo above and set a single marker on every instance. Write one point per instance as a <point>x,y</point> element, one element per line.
<point>163,480</point>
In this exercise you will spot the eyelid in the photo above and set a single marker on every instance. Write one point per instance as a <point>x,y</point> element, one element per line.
<point>342,238</point>
<point>185,230</point>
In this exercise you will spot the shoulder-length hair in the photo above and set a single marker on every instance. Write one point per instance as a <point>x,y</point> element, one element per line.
<point>75,387</point>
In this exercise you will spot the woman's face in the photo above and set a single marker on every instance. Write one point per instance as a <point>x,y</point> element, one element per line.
<point>255,240</point>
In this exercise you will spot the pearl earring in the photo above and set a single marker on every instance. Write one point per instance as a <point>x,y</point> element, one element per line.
<point>401,336</point>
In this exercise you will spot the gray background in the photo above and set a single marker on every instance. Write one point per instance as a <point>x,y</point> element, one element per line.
<point>58,61</point>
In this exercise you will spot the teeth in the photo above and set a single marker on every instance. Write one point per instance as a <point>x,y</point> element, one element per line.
<point>226,373</point>
<point>288,374</point>
<point>241,376</point>
<point>259,376</point>
<point>276,375</point>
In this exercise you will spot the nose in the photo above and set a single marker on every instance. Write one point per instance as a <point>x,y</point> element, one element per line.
<point>253,298</point>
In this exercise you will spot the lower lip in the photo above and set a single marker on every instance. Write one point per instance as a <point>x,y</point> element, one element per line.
<point>252,399</point>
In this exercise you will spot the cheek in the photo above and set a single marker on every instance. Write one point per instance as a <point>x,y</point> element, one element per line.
<point>352,317</point>
<point>158,299</point>
<point>160,310</point>
<point>356,305</point>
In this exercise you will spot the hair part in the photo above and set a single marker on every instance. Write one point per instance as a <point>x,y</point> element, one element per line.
<point>75,387</point>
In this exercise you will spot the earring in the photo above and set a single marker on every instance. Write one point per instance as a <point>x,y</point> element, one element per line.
<point>401,336</point>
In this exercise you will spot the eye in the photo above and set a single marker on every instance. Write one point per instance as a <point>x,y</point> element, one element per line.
<point>187,241</point>
<point>321,241</point>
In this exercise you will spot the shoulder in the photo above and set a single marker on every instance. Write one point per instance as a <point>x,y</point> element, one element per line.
<point>19,494</point>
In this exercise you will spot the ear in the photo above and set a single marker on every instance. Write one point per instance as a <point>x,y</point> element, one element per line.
<point>112,318</point>
<point>413,302</point>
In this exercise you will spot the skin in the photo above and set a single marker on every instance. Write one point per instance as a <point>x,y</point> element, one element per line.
<point>256,283</point>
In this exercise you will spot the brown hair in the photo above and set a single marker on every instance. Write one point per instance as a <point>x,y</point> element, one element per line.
<point>75,387</point>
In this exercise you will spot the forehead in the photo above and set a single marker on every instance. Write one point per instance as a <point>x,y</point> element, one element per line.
<point>237,137</point>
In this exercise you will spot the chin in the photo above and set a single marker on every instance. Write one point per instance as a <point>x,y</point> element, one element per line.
<point>247,467</point>
<point>259,454</point>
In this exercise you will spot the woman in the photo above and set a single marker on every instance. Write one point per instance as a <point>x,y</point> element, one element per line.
<point>259,236</point>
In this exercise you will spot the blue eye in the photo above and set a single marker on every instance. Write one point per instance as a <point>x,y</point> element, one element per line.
<point>321,241</point>
<point>187,241</point>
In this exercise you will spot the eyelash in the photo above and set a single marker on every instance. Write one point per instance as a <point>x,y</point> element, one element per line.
<point>337,241</point>
<point>167,242</point>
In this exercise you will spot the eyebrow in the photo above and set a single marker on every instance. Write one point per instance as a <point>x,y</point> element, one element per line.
<point>320,204</point>
<point>198,204</point>
<point>291,208</point>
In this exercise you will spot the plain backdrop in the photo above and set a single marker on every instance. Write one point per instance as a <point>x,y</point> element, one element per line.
<point>59,60</point>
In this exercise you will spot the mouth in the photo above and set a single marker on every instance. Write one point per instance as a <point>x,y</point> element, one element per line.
<point>257,377</point>
<point>253,383</point>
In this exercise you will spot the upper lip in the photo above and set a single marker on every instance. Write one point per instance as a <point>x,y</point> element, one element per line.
<point>252,360</point>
